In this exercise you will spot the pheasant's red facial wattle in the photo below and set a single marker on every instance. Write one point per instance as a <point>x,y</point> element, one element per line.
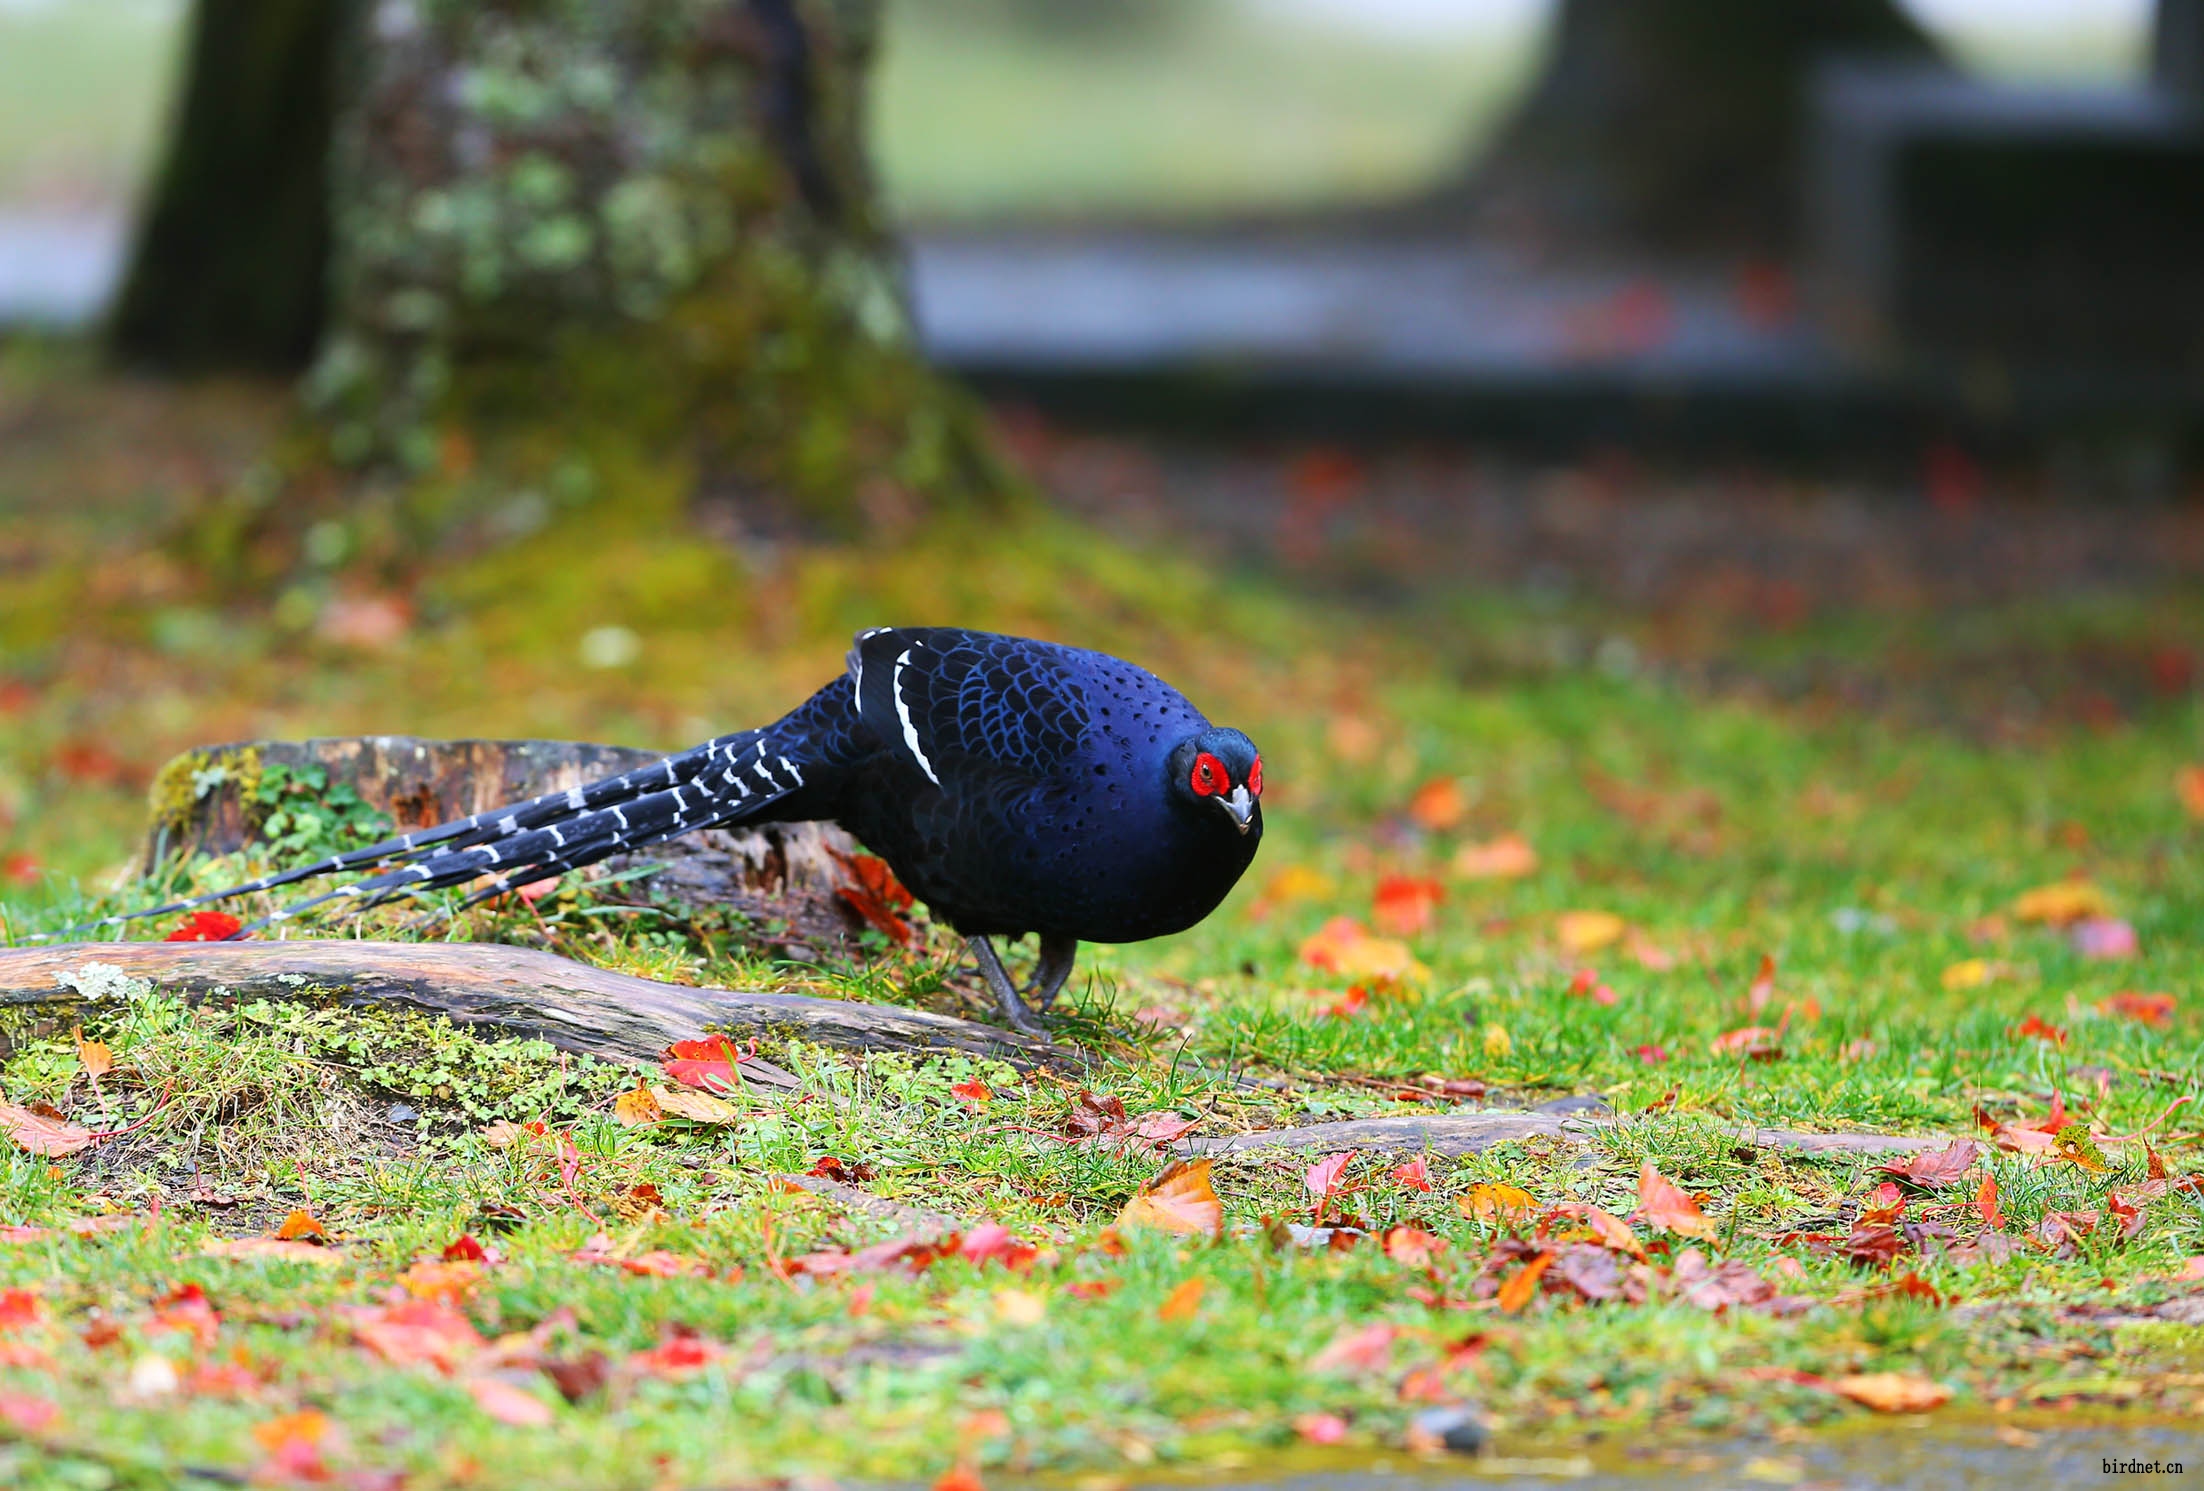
<point>1210,777</point>
<point>1255,777</point>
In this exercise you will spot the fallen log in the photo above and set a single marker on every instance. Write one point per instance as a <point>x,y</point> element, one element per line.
<point>1474,1133</point>
<point>575,1007</point>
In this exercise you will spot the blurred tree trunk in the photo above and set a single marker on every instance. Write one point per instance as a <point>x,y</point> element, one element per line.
<point>1677,124</point>
<point>543,230</point>
<point>232,253</point>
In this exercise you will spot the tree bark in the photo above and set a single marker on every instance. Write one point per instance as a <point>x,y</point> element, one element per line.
<point>1677,125</point>
<point>651,221</point>
<point>232,255</point>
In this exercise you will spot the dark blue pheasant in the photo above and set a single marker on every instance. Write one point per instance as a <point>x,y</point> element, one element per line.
<point>1015,786</point>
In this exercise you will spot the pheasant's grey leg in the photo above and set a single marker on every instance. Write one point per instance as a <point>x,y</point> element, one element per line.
<point>1005,992</point>
<point>1057,956</point>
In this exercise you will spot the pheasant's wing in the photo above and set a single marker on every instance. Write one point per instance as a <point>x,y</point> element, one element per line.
<point>947,699</point>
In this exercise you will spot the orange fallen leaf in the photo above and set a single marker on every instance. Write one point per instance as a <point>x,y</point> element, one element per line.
<point>1496,1202</point>
<point>94,1056</point>
<point>301,1223</point>
<point>2154,1010</point>
<point>271,1250</point>
<point>873,892</point>
<point>974,1094</point>
<point>2035,1029</point>
<point>1664,1204</point>
<point>1584,932</point>
<point>1749,1043</point>
<point>1367,1348</point>
<point>1509,857</point>
<point>1892,1392</point>
<point>293,1444</point>
<point>962,1476</point>
<point>1343,946</point>
<point>1183,1302</point>
<point>2063,903</point>
<point>1179,1200</point>
<point>1412,1246</point>
<point>1985,1203</point>
<point>1523,1283</point>
<point>2188,785</point>
<point>1292,884</point>
<point>636,1107</point>
<point>1439,804</point>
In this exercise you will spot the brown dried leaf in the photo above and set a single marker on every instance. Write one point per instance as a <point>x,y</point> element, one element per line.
<point>1893,1392</point>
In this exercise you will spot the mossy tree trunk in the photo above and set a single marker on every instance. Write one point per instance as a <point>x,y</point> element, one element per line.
<point>558,222</point>
<point>232,255</point>
<point>1677,124</point>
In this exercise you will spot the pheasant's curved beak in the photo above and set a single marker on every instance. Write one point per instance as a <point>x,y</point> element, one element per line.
<point>1240,805</point>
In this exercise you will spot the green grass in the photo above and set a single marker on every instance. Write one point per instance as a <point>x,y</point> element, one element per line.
<point>1864,855</point>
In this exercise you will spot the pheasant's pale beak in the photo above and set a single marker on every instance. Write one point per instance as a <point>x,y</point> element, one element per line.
<point>1241,806</point>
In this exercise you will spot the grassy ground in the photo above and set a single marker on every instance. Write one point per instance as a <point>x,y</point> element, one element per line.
<point>645,1314</point>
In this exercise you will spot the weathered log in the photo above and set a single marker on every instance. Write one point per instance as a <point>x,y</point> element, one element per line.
<point>783,878</point>
<point>574,1007</point>
<point>1473,1133</point>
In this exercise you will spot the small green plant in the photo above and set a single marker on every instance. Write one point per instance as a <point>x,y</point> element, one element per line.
<point>302,817</point>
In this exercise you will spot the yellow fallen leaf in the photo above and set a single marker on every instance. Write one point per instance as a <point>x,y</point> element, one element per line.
<point>1893,1392</point>
<point>1183,1301</point>
<point>1298,883</point>
<point>1020,1307</point>
<point>1345,947</point>
<point>1495,1202</point>
<point>2063,903</point>
<point>1584,932</point>
<point>1509,857</point>
<point>1497,1042</point>
<point>1970,973</point>
<point>636,1107</point>
<point>1180,1200</point>
<point>696,1106</point>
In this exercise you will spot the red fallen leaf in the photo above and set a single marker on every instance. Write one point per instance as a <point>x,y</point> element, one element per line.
<point>1653,1055</point>
<point>834,1167</point>
<point>1590,1270</point>
<point>875,894</point>
<point>1367,1349</point>
<point>2104,939</point>
<point>27,1413</point>
<point>2035,1029</point>
<point>88,761</point>
<point>2154,1010</point>
<point>20,869</point>
<point>509,1404</point>
<point>1750,1043</point>
<point>1320,1428</point>
<point>20,1307</point>
<point>1349,1004</point>
<point>1762,988</point>
<point>676,1357</point>
<point>709,1064</point>
<point>912,1254</point>
<point>293,1444</point>
<point>973,1094</point>
<point>1093,1288</point>
<point>207,926</point>
<point>416,1332</point>
<point>1404,904</point>
<point>2126,1213</point>
<point>1885,1204</point>
<point>1415,1175</point>
<point>186,1309</point>
<point>1664,1204</point>
<point>2063,1231</point>
<point>1412,1246</point>
<point>1936,1167</point>
<point>2056,1119</point>
<point>1586,985</point>
<point>1985,1204</point>
<point>992,1240</point>
<point>962,1476</point>
<point>464,1249</point>
<point>1322,1178</point>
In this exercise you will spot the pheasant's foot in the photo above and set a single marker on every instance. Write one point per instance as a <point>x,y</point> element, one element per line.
<point>1049,974</point>
<point>1006,993</point>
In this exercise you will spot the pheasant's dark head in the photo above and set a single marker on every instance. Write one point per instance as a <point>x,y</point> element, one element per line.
<point>1220,771</point>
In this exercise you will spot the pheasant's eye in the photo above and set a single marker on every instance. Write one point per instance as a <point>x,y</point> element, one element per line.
<point>1255,777</point>
<point>1209,777</point>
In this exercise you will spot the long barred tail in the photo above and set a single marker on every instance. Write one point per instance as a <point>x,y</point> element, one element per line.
<point>747,777</point>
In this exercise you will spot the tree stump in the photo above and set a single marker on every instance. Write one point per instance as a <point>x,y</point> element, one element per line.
<point>784,878</point>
